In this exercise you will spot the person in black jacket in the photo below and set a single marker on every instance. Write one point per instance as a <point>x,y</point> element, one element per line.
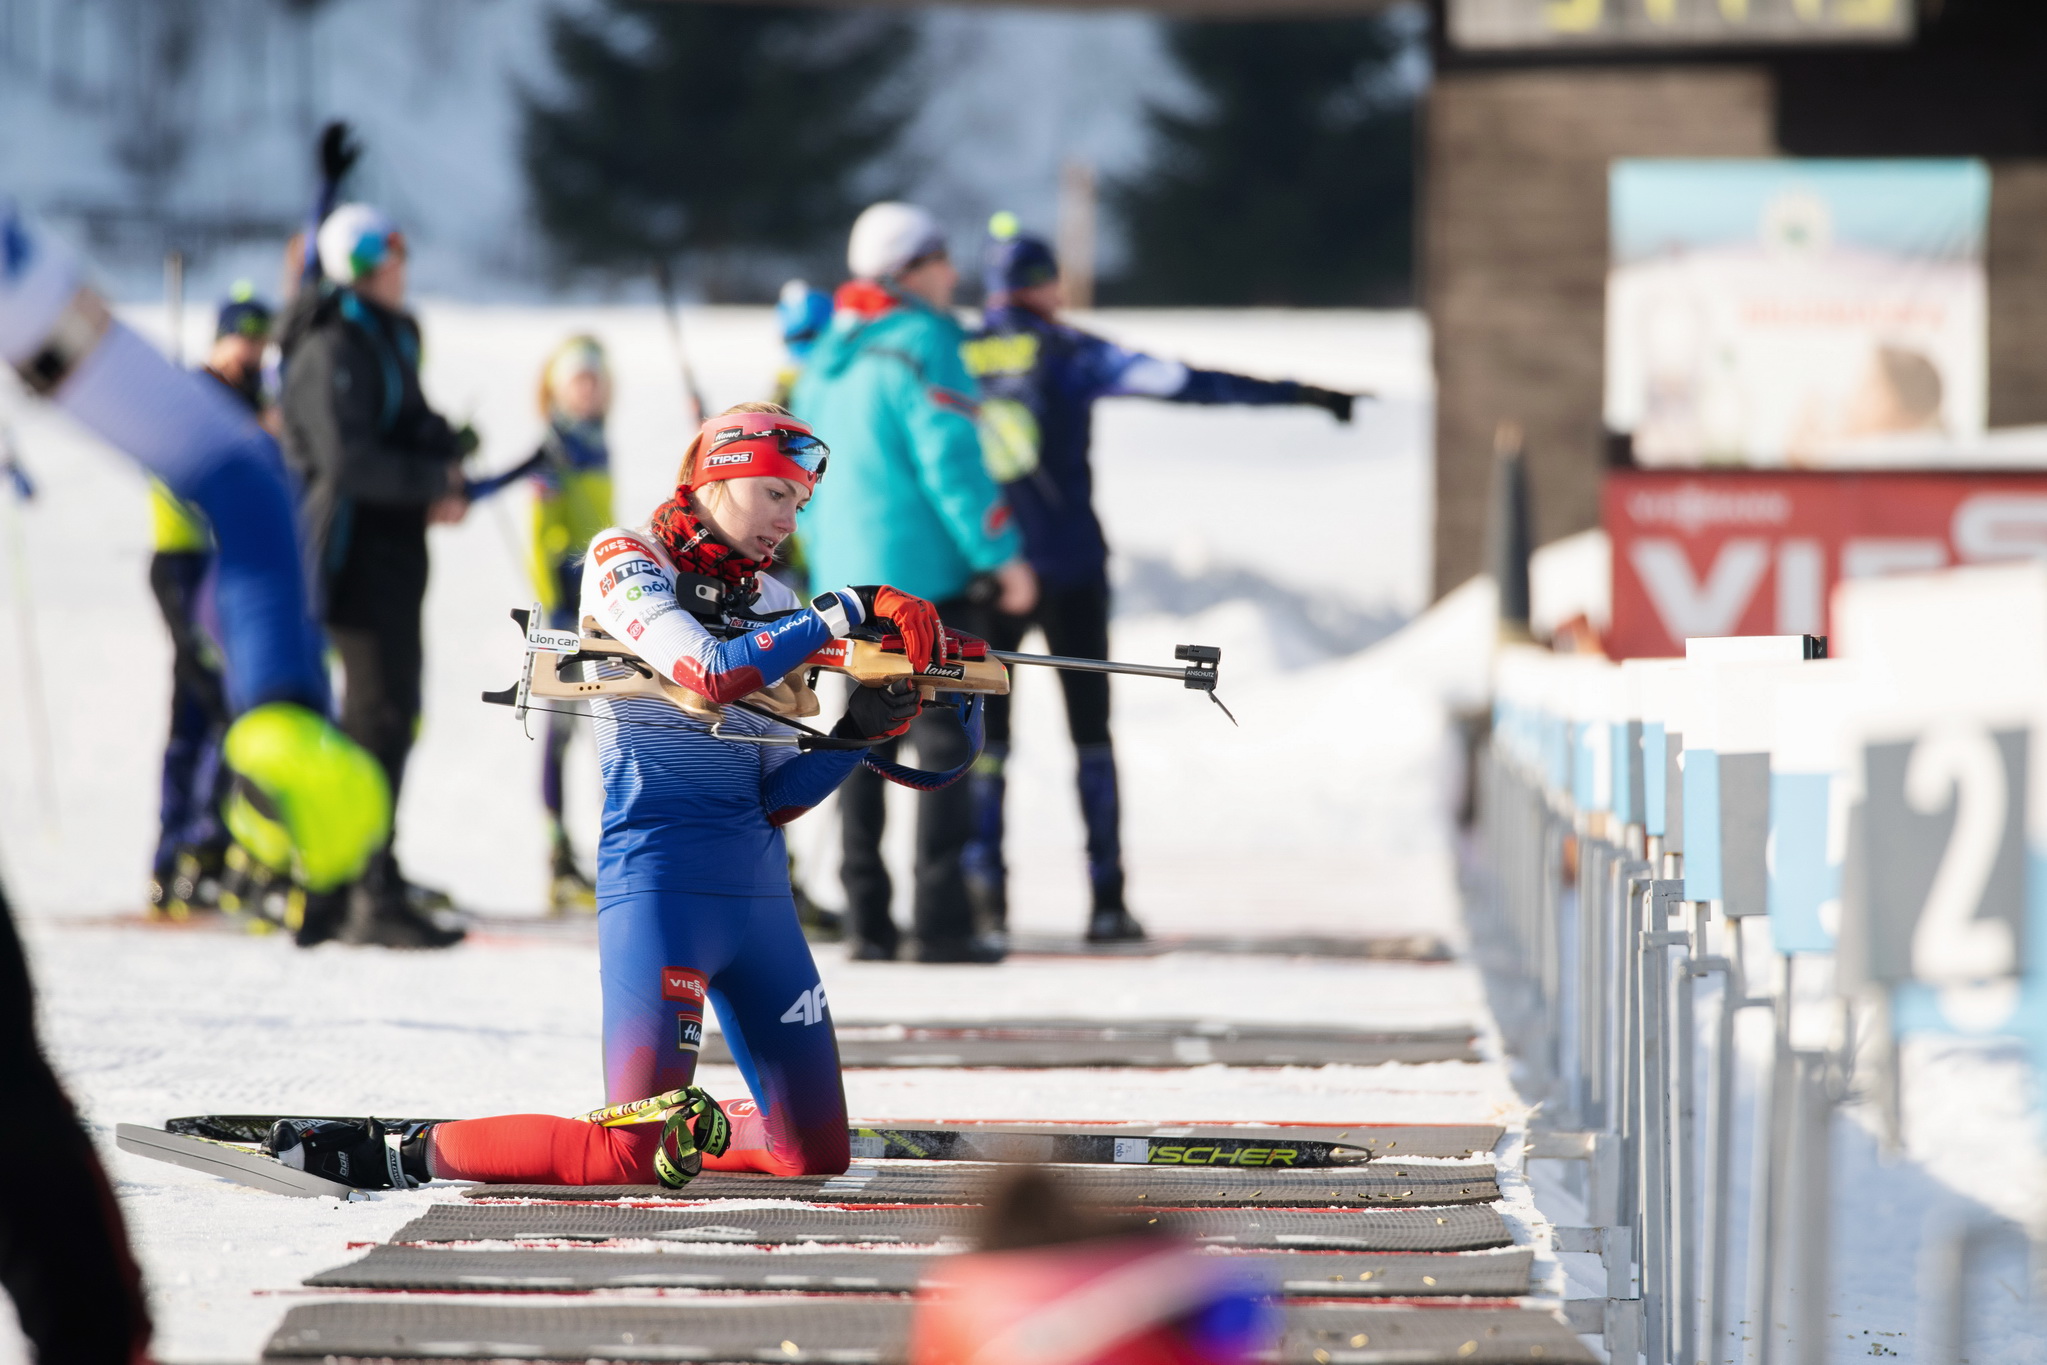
<point>378,465</point>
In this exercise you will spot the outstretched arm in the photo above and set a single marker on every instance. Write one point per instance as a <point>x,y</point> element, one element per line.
<point>189,433</point>
<point>1125,373</point>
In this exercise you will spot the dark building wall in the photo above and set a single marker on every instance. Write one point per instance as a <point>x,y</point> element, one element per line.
<point>2017,271</point>
<point>1515,259</point>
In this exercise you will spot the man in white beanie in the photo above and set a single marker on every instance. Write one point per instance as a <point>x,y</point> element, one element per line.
<point>909,503</point>
<point>378,465</point>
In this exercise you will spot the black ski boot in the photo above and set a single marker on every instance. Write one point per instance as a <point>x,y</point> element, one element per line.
<point>391,922</point>
<point>320,916</point>
<point>263,900</point>
<point>981,950</point>
<point>1114,924</point>
<point>358,1152</point>
<point>190,884</point>
<point>381,914</point>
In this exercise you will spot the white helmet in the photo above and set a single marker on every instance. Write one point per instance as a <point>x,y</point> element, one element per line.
<point>354,240</point>
<point>889,236</point>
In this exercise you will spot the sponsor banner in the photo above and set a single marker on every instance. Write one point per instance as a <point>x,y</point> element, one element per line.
<point>1510,25</point>
<point>1814,314</point>
<point>1759,553</point>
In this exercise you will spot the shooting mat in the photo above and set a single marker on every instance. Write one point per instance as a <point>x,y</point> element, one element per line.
<point>1380,1184</point>
<point>1467,1227</point>
<point>846,1331</point>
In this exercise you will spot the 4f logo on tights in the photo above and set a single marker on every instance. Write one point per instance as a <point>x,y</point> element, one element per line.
<point>808,1009</point>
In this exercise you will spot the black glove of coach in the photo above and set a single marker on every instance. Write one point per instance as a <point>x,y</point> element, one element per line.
<point>338,152</point>
<point>1338,405</point>
<point>879,712</point>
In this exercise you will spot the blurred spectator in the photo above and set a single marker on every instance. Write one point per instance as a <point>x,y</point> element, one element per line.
<point>379,466</point>
<point>1041,379</point>
<point>571,473</point>
<point>192,844</point>
<point>909,504</point>
<point>1053,1280</point>
<point>801,315</point>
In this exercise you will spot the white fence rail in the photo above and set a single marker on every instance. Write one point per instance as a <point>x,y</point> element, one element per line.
<point>1854,848</point>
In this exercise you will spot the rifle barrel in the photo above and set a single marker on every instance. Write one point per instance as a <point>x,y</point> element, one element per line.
<point>1089,665</point>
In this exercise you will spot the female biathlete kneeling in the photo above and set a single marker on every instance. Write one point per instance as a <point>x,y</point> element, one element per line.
<point>693,899</point>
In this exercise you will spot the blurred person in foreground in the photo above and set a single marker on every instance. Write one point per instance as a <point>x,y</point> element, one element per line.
<point>571,473</point>
<point>912,505</point>
<point>304,797</point>
<point>1093,1287</point>
<point>1040,380</point>
<point>379,466</point>
<point>192,847</point>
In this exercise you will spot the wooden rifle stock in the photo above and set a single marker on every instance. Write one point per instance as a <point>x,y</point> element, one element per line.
<point>871,663</point>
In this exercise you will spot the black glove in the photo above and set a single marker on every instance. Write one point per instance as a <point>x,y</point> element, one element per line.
<point>879,712</point>
<point>338,152</point>
<point>1338,405</point>
<point>466,441</point>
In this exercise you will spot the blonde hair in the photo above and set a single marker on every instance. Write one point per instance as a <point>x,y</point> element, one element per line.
<point>686,473</point>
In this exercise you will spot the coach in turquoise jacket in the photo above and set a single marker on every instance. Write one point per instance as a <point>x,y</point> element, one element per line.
<point>909,503</point>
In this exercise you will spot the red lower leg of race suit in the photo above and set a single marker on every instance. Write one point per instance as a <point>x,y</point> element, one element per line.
<point>663,955</point>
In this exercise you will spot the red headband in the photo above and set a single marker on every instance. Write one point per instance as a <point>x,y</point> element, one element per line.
<point>752,445</point>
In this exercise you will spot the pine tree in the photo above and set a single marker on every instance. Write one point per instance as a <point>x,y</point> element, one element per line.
<point>1292,182</point>
<point>724,140</point>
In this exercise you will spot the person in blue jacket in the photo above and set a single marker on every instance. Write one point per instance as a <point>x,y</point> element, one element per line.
<point>913,505</point>
<point>305,795</point>
<point>1040,378</point>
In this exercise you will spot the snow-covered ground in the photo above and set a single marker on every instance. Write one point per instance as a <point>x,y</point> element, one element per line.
<point>1276,534</point>
<point>1327,810</point>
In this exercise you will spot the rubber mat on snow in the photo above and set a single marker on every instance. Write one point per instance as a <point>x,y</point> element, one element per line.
<point>1382,1184</point>
<point>1499,1274</point>
<point>1392,948</point>
<point>1049,1043</point>
<point>850,1330</point>
<point>1434,1140</point>
<point>1469,1227</point>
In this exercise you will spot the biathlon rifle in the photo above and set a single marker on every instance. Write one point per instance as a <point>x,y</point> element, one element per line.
<point>869,656</point>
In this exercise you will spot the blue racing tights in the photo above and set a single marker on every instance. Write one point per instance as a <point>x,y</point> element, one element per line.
<point>662,955</point>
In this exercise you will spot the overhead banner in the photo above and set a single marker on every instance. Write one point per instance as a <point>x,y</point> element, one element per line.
<point>1759,554</point>
<point>1806,314</point>
<point>1510,24</point>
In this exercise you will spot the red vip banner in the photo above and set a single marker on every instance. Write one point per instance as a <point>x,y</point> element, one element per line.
<point>1709,553</point>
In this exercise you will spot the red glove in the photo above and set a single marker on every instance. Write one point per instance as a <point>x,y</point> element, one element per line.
<point>914,619</point>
